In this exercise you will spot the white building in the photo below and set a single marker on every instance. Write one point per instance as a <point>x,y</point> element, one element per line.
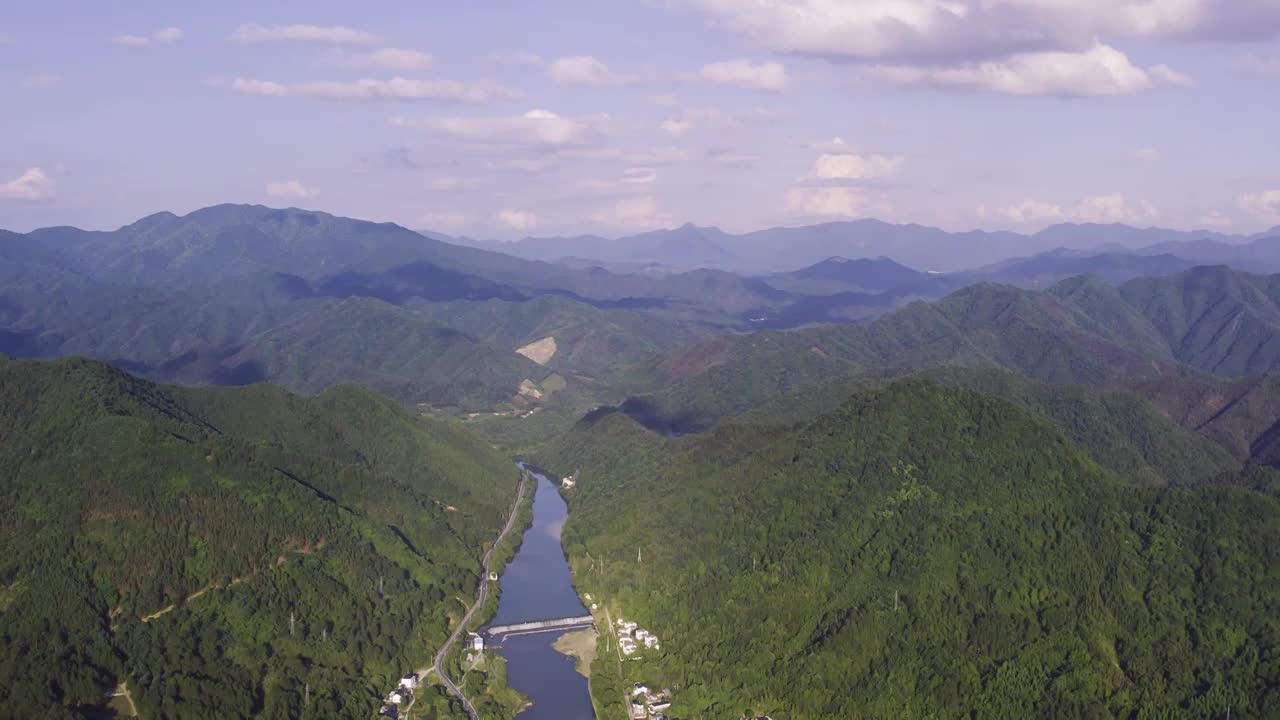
<point>639,689</point>
<point>476,642</point>
<point>409,682</point>
<point>396,697</point>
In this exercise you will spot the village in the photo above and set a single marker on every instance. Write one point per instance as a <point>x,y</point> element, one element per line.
<point>650,704</point>
<point>631,636</point>
<point>401,695</point>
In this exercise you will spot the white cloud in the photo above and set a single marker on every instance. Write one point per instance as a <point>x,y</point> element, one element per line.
<point>1113,208</point>
<point>930,31</point>
<point>1026,212</point>
<point>1101,70</point>
<point>38,81</point>
<point>846,202</point>
<point>390,59</point>
<point>328,35</point>
<point>292,189</point>
<point>33,184</point>
<point>585,70</point>
<point>535,127</point>
<point>637,212</point>
<point>851,166</point>
<point>745,74</point>
<point>1165,75</point>
<point>639,176</point>
<point>396,88</point>
<point>707,118</point>
<point>1145,154</point>
<point>1108,208</point>
<point>163,36</point>
<point>449,219</point>
<point>522,220</point>
<point>1264,205</point>
<point>1216,219</point>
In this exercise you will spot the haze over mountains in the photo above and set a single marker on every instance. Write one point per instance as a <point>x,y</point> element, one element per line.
<point>926,248</point>
<point>1118,380</point>
<point>233,294</point>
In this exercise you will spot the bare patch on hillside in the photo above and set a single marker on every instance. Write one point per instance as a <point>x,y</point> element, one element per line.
<point>540,351</point>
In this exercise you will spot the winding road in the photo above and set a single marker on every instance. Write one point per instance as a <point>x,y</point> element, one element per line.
<point>438,663</point>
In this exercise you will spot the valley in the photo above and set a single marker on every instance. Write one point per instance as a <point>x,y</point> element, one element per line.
<point>647,360</point>
<point>813,485</point>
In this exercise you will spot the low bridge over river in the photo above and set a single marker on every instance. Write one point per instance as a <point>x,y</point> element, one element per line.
<point>538,626</point>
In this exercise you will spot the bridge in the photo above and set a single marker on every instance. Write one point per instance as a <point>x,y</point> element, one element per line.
<point>538,626</point>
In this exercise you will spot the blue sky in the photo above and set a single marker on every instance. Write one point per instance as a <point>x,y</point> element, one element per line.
<point>503,119</point>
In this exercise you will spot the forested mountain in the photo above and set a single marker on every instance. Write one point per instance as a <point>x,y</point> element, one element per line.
<point>1074,335</point>
<point>1219,320</point>
<point>1046,269</point>
<point>1120,429</point>
<point>1260,254</point>
<point>227,552</point>
<point>1208,320</point>
<point>929,551</point>
<point>838,274</point>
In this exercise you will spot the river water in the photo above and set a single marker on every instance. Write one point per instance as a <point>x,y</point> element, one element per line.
<point>536,585</point>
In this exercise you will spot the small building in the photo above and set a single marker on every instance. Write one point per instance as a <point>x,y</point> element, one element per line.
<point>396,697</point>
<point>475,641</point>
<point>409,681</point>
<point>651,641</point>
<point>659,706</point>
<point>493,576</point>
<point>637,710</point>
<point>594,606</point>
<point>639,689</point>
<point>641,634</point>
<point>628,646</point>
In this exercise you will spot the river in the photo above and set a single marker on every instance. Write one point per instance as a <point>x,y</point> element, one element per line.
<point>536,585</point>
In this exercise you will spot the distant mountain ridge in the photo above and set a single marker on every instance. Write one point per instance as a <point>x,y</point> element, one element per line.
<point>784,249</point>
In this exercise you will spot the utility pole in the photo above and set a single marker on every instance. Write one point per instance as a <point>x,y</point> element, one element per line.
<point>895,601</point>
<point>306,696</point>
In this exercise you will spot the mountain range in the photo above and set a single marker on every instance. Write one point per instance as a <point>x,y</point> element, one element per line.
<point>785,249</point>
<point>1044,485</point>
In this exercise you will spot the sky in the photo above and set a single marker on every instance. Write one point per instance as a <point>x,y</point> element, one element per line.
<point>502,119</point>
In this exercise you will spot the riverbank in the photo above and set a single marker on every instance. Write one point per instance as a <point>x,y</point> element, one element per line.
<point>580,645</point>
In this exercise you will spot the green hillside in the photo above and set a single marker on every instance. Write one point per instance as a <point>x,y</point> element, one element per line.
<point>224,550</point>
<point>1119,429</point>
<point>1216,319</point>
<point>924,551</point>
<point>1045,336</point>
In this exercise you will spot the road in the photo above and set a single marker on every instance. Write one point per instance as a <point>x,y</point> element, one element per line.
<point>481,596</point>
